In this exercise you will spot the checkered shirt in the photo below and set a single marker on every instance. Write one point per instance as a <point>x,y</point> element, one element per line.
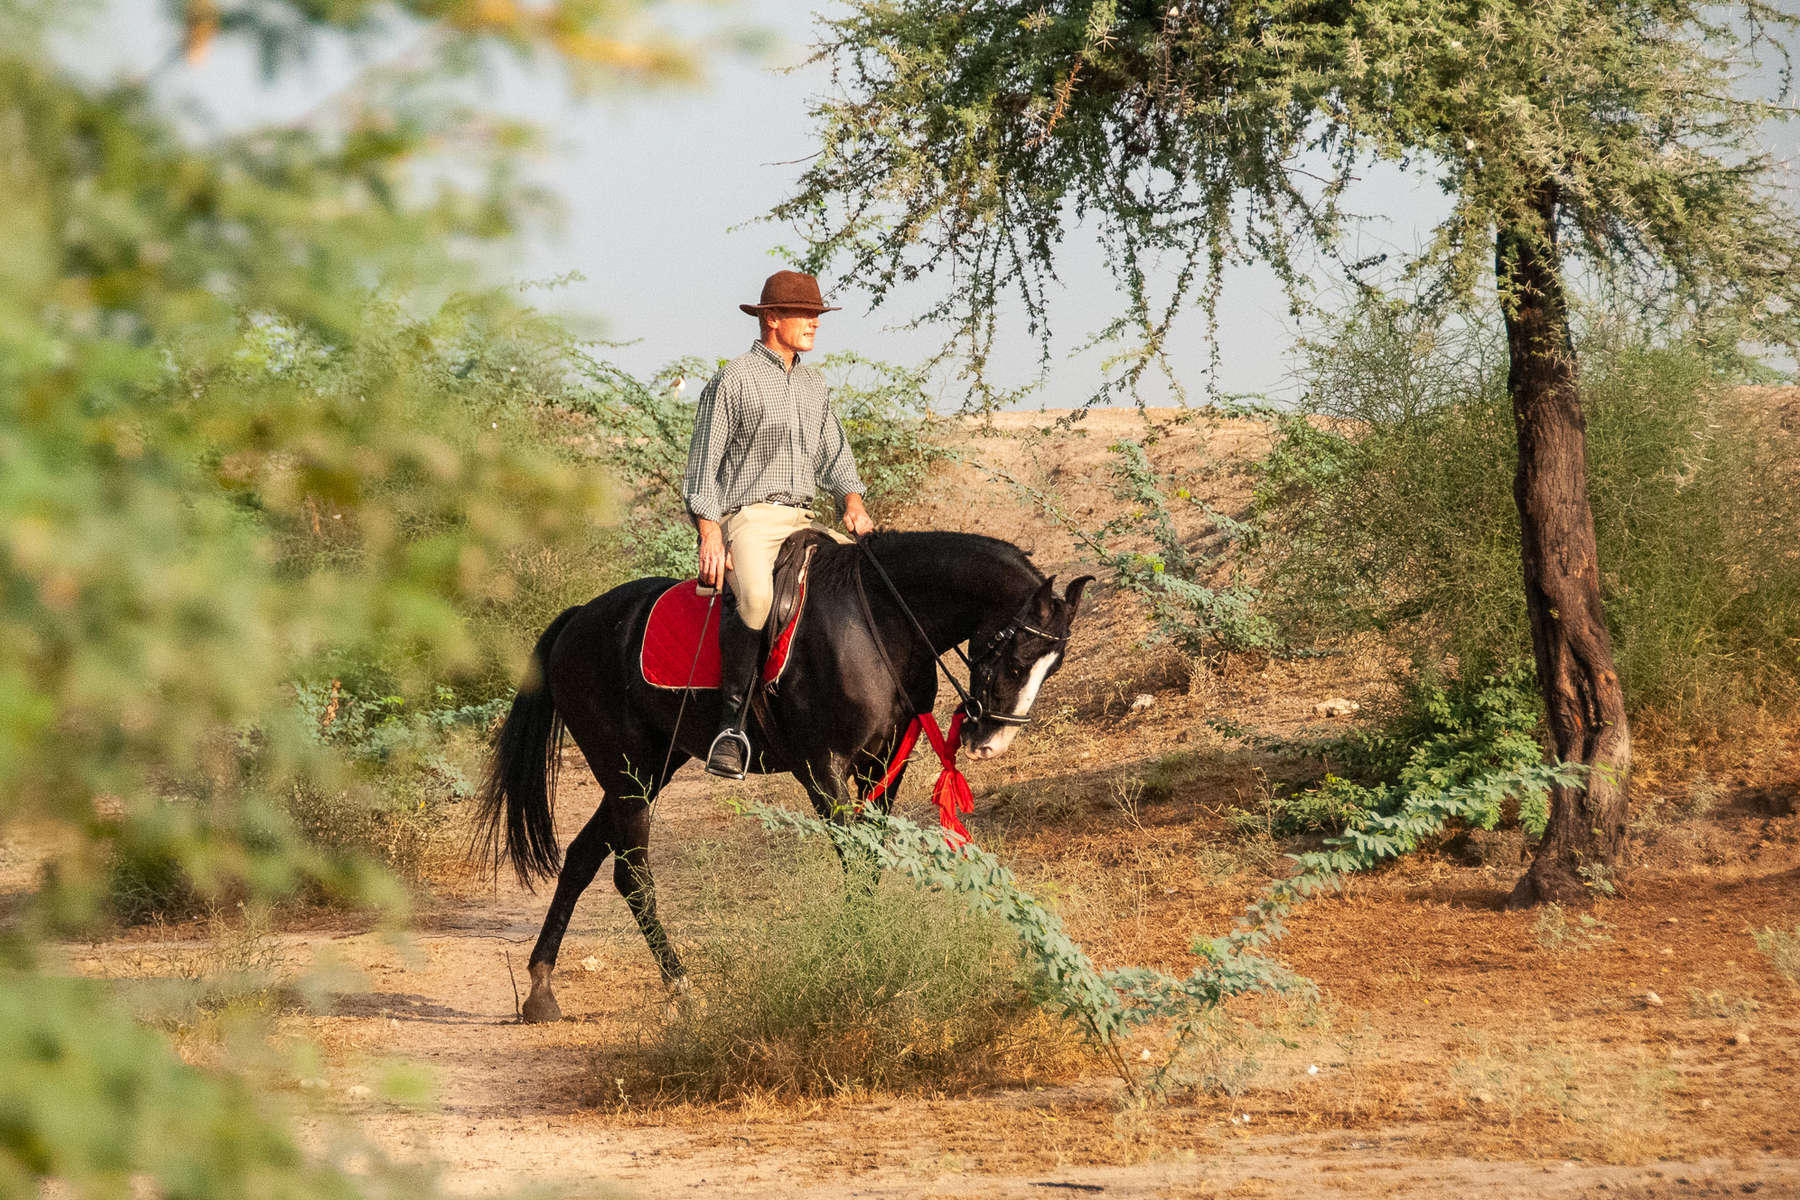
<point>763,433</point>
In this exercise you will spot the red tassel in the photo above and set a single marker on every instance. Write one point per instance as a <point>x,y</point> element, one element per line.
<point>951,791</point>
<point>951,795</point>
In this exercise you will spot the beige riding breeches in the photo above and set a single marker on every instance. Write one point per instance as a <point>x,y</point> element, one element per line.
<point>753,537</point>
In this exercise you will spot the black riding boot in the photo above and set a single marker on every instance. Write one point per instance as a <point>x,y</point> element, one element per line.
<point>739,651</point>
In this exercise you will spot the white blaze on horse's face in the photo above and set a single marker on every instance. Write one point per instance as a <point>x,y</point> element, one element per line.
<point>997,742</point>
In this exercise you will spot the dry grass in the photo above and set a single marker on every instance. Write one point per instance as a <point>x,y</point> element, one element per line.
<point>807,982</point>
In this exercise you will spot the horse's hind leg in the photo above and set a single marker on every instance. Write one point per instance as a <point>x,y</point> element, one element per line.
<point>580,862</point>
<point>620,828</point>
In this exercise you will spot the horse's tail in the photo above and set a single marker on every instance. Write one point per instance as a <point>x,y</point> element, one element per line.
<point>518,800</point>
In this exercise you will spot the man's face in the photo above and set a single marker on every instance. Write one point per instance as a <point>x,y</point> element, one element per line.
<point>792,329</point>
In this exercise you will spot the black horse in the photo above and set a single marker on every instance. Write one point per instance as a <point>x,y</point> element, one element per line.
<point>857,673</point>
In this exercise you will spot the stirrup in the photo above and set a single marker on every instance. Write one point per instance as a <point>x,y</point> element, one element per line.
<point>720,742</point>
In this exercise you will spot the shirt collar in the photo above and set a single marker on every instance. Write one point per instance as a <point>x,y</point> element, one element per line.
<point>774,357</point>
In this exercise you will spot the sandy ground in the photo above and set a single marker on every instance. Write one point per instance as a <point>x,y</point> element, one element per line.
<point>1647,1052</point>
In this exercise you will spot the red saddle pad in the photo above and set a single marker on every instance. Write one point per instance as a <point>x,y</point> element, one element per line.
<point>674,632</point>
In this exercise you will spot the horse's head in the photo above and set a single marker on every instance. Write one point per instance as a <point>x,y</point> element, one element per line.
<point>1011,655</point>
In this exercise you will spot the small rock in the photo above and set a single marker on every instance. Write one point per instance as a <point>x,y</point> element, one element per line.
<point>1141,701</point>
<point>1143,1056</point>
<point>313,1083</point>
<point>1336,707</point>
<point>1483,1097</point>
<point>359,1091</point>
<point>590,964</point>
<point>1653,1000</point>
<point>1741,1038</point>
<point>1670,921</point>
<point>1312,1068</point>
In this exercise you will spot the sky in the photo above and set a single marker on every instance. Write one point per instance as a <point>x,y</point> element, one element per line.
<point>660,190</point>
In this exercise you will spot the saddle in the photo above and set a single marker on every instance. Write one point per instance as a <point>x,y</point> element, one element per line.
<point>675,643</point>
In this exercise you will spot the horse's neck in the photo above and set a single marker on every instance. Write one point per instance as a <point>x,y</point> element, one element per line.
<point>951,587</point>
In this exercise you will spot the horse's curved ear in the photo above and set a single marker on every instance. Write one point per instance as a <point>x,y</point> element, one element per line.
<point>1072,597</point>
<point>1044,603</point>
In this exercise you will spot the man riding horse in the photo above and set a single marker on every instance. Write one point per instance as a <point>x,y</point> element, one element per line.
<point>860,669</point>
<point>765,439</point>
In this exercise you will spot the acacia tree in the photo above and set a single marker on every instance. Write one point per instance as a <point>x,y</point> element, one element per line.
<point>1605,142</point>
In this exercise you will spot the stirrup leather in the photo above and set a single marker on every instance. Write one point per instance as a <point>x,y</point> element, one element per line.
<point>712,753</point>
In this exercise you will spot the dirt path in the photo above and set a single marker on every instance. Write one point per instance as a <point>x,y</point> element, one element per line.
<point>1461,1056</point>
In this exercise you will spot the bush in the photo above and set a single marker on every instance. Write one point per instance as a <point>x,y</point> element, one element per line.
<point>1175,581</point>
<point>880,989</point>
<point>887,418</point>
<point>1386,504</point>
<point>1441,735</point>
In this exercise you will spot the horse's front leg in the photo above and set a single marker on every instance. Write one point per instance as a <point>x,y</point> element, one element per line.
<point>827,780</point>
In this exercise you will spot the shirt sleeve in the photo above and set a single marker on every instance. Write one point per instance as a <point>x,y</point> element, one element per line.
<point>712,433</point>
<point>836,465</point>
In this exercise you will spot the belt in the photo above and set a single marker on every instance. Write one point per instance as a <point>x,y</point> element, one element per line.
<point>804,505</point>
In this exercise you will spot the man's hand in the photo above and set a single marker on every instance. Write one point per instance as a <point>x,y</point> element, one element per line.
<point>713,557</point>
<point>856,517</point>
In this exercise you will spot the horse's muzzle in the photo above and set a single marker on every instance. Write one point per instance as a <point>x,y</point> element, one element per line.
<point>988,740</point>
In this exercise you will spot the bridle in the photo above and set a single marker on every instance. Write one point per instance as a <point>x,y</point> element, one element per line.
<point>997,643</point>
<point>1006,635</point>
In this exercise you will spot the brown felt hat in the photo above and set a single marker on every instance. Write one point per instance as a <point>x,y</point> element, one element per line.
<point>790,289</point>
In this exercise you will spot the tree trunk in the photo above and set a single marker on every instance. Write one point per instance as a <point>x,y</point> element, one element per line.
<point>1586,705</point>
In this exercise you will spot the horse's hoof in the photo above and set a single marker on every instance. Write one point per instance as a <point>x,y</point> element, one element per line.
<point>678,997</point>
<point>540,1008</point>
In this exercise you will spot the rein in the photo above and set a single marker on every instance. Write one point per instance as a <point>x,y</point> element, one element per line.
<point>1012,629</point>
<point>951,791</point>
<point>969,704</point>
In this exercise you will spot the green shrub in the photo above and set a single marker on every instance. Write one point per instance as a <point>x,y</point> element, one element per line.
<point>1440,734</point>
<point>887,418</point>
<point>1197,601</point>
<point>1107,1006</point>
<point>833,991</point>
<point>1386,504</point>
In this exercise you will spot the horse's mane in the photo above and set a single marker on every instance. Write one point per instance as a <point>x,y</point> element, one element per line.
<point>836,567</point>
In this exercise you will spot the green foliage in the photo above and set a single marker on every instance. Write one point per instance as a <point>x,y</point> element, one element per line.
<point>881,987</point>
<point>1782,948</point>
<point>102,1103</point>
<point>242,434</point>
<point>1386,505</point>
<point>1171,578</point>
<point>1376,837</point>
<point>1441,735</point>
<point>1190,136</point>
<point>888,420</point>
<point>1108,1005</point>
